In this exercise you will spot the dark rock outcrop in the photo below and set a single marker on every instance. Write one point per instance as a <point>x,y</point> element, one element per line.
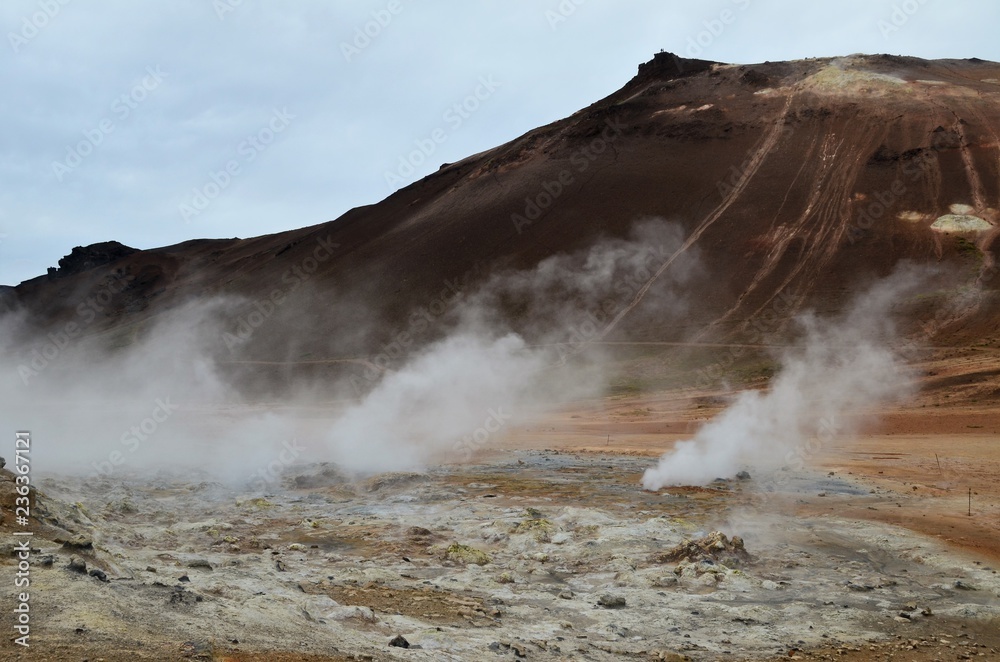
<point>82,258</point>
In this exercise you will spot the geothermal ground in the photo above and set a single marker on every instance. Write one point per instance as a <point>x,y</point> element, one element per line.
<point>547,549</point>
<point>701,209</point>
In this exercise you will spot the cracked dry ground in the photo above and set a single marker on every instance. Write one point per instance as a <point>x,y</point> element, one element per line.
<point>541,554</point>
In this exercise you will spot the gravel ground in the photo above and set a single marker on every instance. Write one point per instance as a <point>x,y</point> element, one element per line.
<point>543,555</point>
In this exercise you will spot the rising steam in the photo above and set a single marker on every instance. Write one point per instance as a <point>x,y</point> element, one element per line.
<point>460,394</point>
<point>842,368</point>
<point>155,397</point>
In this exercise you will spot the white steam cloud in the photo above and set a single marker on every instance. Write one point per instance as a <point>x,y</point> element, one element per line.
<point>460,394</point>
<point>841,368</point>
<point>432,408</point>
<point>154,396</point>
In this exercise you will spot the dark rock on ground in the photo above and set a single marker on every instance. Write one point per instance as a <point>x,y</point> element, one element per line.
<point>82,258</point>
<point>715,547</point>
<point>609,601</point>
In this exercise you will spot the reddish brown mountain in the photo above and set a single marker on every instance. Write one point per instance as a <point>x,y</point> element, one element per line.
<point>799,179</point>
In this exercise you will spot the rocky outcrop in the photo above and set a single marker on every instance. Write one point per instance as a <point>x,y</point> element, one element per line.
<point>82,258</point>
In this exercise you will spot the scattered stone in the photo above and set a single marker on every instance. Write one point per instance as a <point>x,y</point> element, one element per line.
<point>394,480</point>
<point>418,532</point>
<point>77,542</point>
<point>317,607</point>
<point>76,564</point>
<point>714,547</point>
<point>399,641</point>
<point>962,586</point>
<point>534,523</point>
<point>257,503</point>
<point>609,601</point>
<point>98,574</point>
<point>352,613</point>
<point>708,579</point>
<point>123,506</point>
<point>150,568</point>
<point>199,650</point>
<point>505,578</point>
<point>200,563</point>
<point>560,538</point>
<point>863,584</point>
<point>743,475</point>
<point>47,560</point>
<point>566,595</point>
<point>466,555</point>
<point>502,647</point>
<point>665,581</point>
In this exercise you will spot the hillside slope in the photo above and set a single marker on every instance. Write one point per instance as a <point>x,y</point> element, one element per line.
<point>793,181</point>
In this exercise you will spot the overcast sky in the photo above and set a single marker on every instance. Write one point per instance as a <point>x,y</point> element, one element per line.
<point>156,122</point>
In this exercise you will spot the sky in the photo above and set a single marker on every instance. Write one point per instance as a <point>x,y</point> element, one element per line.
<point>151,123</point>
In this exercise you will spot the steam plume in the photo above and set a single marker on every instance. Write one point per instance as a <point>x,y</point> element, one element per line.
<point>841,368</point>
<point>155,397</point>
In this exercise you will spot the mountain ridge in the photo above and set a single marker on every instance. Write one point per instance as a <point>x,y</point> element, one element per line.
<point>795,179</point>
